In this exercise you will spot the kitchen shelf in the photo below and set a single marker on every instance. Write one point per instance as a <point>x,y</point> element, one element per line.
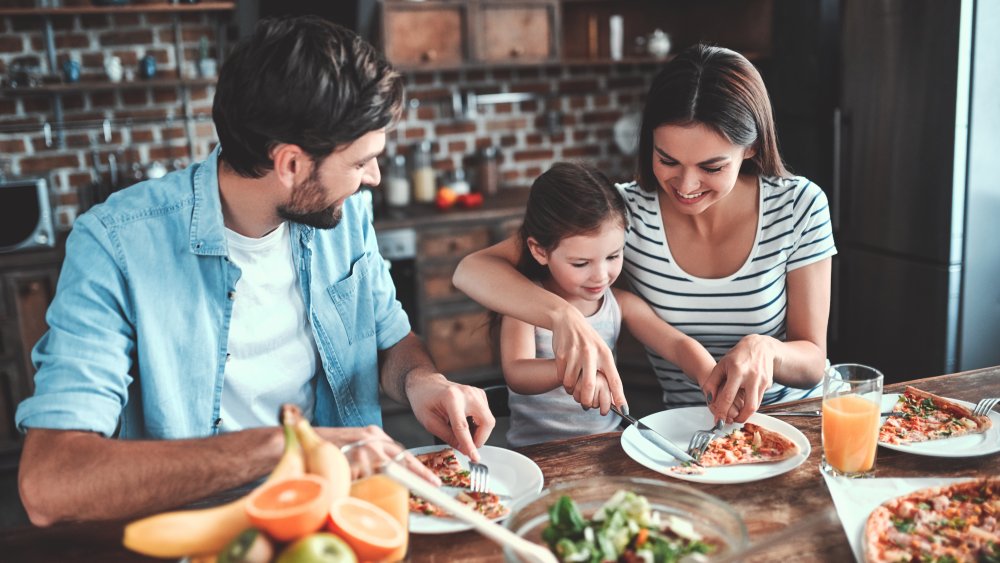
<point>98,86</point>
<point>123,9</point>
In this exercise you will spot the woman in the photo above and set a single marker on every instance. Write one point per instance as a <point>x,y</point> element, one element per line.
<point>723,243</point>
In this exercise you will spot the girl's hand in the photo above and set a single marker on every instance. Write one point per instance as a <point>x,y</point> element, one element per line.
<point>748,367</point>
<point>580,354</point>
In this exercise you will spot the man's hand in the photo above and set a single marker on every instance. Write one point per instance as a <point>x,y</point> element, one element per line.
<point>443,407</point>
<point>581,357</point>
<point>369,447</point>
<point>747,367</point>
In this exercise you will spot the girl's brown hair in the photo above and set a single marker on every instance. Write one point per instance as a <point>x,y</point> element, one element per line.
<point>721,89</point>
<point>567,200</point>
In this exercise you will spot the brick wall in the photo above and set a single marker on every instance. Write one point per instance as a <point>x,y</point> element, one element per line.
<point>571,117</point>
<point>89,38</point>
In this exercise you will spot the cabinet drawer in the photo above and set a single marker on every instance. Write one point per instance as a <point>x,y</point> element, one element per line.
<point>451,244</point>
<point>460,341</point>
<point>512,32</point>
<point>437,285</point>
<point>424,35</point>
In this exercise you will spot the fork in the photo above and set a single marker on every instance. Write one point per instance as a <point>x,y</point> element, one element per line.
<point>479,477</point>
<point>701,439</point>
<point>985,405</point>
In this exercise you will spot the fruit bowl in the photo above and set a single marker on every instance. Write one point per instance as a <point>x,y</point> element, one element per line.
<point>711,517</point>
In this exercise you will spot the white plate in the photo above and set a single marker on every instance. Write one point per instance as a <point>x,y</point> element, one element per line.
<point>970,445</point>
<point>678,425</point>
<point>511,474</point>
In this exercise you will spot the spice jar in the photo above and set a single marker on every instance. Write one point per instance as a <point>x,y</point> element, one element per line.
<point>424,188</point>
<point>397,185</point>
<point>488,178</point>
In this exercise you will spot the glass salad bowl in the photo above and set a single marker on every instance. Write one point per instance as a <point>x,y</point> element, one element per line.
<point>679,512</point>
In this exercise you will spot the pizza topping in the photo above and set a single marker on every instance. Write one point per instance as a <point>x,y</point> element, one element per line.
<point>445,464</point>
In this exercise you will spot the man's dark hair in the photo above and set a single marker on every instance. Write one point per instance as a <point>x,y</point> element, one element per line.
<point>303,81</point>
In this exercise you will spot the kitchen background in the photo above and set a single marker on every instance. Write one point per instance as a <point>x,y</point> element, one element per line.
<point>886,105</point>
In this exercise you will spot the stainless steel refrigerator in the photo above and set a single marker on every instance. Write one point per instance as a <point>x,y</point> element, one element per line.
<point>916,195</point>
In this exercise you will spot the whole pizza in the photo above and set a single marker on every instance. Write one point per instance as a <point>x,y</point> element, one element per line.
<point>952,523</point>
<point>919,416</point>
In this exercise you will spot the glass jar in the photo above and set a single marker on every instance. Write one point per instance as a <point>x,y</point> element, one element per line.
<point>424,181</point>
<point>487,181</point>
<point>397,184</point>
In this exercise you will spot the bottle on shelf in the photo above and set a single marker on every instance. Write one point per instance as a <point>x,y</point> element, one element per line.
<point>488,177</point>
<point>424,181</point>
<point>397,185</point>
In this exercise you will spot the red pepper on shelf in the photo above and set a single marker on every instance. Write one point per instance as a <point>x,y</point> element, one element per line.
<point>470,201</point>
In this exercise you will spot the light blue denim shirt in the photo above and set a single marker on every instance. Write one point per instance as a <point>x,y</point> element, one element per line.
<point>139,326</point>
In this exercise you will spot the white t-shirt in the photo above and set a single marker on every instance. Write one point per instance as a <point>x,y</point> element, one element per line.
<point>793,230</point>
<point>555,415</point>
<point>272,356</point>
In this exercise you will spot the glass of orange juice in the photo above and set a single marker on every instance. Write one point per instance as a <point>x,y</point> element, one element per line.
<point>852,400</point>
<point>365,458</point>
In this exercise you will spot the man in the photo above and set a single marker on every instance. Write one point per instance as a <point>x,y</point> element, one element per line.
<point>189,308</point>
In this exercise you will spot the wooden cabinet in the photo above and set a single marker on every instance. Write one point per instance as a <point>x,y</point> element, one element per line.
<point>27,284</point>
<point>517,32</point>
<point>449,33</point>
<point>425,34</point>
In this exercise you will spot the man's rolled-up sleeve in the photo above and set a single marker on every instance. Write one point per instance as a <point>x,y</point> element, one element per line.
<point>84,360</point>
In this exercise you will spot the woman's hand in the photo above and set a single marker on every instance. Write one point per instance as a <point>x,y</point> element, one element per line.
<point>581,357</point>
<point>747,367</point>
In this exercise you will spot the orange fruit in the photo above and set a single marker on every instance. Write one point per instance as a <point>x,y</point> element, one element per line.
<point>371,532</point>
<point>290,508</point>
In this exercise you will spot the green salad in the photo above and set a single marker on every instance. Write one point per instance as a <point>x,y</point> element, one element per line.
<point>624,529</point>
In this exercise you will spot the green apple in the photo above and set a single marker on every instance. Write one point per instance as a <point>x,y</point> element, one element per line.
<point>251,546</point>
<point>320,547</point>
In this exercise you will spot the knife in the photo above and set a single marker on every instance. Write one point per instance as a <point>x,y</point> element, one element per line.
<point>817,413</point>
<point>656,438</point>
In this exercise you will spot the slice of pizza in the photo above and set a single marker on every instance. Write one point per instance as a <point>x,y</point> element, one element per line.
<point>955,522</point>
<point>487,504</point>
<point>444,463</point>
<point>750,444</point>
<point>919,416</point>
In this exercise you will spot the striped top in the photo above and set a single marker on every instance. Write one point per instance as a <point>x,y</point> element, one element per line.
<point>793,230</point>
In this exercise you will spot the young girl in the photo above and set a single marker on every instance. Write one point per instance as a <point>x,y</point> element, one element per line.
<point>723,243</point>
<point>571,244</point>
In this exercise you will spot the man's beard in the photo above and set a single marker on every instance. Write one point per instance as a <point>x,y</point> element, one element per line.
<point>305,194</point>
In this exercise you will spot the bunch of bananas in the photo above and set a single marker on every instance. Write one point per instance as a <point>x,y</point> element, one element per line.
<point>227,529</point>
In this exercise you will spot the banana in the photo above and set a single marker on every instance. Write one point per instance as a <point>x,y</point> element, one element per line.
<point>324,459</point>
<point>208,530</point>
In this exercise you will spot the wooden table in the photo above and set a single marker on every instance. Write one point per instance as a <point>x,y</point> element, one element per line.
<point>766,506</point>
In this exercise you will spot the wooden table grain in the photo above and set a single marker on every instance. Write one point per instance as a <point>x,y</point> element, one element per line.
<point>766,506</point>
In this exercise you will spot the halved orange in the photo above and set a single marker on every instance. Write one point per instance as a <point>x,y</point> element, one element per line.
<point>290,508</point>
<point>370,531</point>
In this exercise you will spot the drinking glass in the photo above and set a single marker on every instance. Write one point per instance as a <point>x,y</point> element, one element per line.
<point>852,401</point>
<point>366,458</point>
